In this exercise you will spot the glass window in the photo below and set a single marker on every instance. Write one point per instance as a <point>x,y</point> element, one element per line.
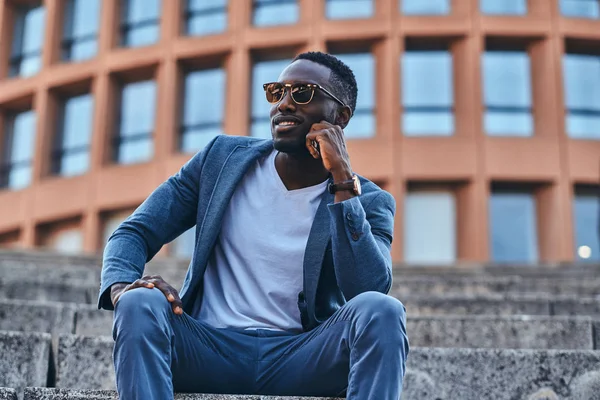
<point>136,123</point>
<point>504,7</point>
<point>429,227</point>
<point>202,114</point>
<point>19,141</point>
<point>68,241</point>
<point>183,246</point>
<point>27,41</point>
<point>582,95</point>
<point>580,8</point>
<point>275,12</point>
<point>348,9</point>
<point>427,93</point>
<point>425,7</point>
<point>513,226</point>
<point>263,72</point>
<point>507,93</point>
<point>362,123</point>
<point>80,34</point>
<point>586,214</point>
<point>111,221</point>
<point>205,17</point>
<point>140,22</point>
<point>72,146</point>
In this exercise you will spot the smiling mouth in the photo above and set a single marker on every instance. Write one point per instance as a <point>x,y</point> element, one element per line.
<point>286,123</point>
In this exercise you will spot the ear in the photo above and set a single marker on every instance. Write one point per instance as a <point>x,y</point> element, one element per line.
<point>343,116</point>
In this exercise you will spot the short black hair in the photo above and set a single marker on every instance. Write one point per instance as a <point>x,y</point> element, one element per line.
<point>342,79</point>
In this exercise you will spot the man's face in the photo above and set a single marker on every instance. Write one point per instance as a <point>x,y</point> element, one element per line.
<point>291,122</point>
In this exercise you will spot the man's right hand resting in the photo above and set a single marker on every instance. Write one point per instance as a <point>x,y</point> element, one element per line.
<point>149,282</point>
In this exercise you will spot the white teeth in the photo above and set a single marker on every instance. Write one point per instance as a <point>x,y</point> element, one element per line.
<point>286,123</point>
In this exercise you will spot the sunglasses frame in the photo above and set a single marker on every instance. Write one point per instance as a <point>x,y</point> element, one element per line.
<point>312,86</point>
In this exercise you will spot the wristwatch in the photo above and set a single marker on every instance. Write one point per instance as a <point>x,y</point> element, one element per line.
<point>352,184</point>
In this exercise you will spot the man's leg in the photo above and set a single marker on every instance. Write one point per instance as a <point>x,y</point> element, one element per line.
<point>157,351</point>
<point>362,347</point>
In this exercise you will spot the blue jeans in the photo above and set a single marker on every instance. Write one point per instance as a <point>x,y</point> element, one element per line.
<point>360,350</point>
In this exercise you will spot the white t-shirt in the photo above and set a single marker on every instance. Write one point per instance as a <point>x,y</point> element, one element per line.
<point>256,270</point>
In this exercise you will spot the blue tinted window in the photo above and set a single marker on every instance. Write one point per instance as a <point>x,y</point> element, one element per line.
<point>513,227</point>
<point>17,157</point>
<point>27,40</point>
<point>263,72</point>
<point>140,22</point>
<point>71,154</point>
<point>586,211</point>
<point>427,93</point>
<point>203,108</point>
<point>275,12</point>
<point>504,7</point>
<point>425,7</point>
<point>507,93</point>
<point>136,124</point>
<point>362,123</point>
<point>347,9</point>
<point>582,95</point>
<point>80,34</point>
<point>580,8</point>
<point>206,17</point>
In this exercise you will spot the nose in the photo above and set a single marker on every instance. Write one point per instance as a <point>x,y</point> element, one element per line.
<point>287,104</point>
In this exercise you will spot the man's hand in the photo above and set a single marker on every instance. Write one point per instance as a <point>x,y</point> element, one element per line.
<point>149,282</point>
<point>332,149</point>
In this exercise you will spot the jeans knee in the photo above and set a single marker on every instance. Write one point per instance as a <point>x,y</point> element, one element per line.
<point>140,302</point>
<point>380,306</point>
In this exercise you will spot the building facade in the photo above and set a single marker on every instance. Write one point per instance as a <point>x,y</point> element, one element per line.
<point>481,117</point>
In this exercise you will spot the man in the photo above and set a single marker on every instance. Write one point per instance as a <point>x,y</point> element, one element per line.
<point>285,293</point>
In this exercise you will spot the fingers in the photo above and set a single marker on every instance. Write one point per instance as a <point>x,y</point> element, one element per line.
<point>312,144</point>
<point>169,291</point>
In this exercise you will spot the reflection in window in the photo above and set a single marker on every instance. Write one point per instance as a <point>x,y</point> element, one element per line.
<point>72,145</point>
<point>205,17</point>
<point>140,22</point>
<point>425,7</point>
<point>202,114</point>
<point>582,95</point>
<point>136,123</point>
<point>507,93</point>
<point>66,241</point>
<point>580,8</point>
<point>27,41</point>
<point>348,9</point>
<point>275,12</point>
<point>263,72</point>
<point>429,227</point>
<point>504,7</point>
<point>513,226</point>
<point>362,123</point>
<point>183,245</point>
<point>586,214</point>
<point>427,93</point>
<point>17,153</point>
<point>80,34</point>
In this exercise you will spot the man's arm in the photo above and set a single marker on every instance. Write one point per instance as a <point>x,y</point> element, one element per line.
<point>164,215</point>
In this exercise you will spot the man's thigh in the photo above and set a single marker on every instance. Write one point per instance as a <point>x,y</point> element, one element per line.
<point>210,360</point>
<point>315,363</point>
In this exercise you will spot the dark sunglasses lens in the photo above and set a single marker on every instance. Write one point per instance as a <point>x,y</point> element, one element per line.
<point>302,94</point>
<point>274,92</point>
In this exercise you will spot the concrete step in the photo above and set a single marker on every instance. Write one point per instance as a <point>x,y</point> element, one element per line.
<point>25,359</point>
<point>86,363</point>
<point>69,394</point>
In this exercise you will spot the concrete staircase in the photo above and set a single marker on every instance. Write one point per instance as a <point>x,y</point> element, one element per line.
<point>476,331</point>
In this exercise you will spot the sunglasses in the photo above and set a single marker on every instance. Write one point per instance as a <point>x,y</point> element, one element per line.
<point>302,93</point>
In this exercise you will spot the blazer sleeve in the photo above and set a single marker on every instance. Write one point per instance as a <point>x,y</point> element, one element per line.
<point>361,239</point>
<point>169,211</point>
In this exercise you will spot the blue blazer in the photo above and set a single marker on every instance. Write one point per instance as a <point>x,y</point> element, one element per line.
<point>348,249</point>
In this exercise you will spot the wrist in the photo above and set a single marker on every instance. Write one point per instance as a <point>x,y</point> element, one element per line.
<point>341,175</point>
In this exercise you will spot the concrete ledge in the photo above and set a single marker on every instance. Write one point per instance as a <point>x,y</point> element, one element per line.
<point>85,362</point>
<point>520,332</point>
<point>25,359</point>
<point>93,322</point>
<point>69,394</point>
<point>8,394</point>
<point>35,316</point>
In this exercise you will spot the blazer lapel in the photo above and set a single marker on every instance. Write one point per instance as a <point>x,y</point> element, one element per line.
<point>320,234</point>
